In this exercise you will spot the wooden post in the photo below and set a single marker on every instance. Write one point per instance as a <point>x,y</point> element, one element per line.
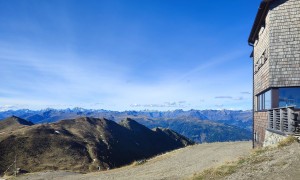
<point>281,120</point>
<point>274,119</point>
<point>270,119</point>
<point>290,120</point>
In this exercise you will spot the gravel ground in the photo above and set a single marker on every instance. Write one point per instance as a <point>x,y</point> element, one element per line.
<point>178,164</point>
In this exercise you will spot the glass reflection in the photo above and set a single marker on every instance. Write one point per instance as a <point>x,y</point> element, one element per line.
<point>289,97</point>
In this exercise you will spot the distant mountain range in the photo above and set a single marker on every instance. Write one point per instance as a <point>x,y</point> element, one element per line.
<point>198,125</point>
<point>82,144</point>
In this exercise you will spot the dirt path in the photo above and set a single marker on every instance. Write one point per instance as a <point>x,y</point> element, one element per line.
<point>178,164</point>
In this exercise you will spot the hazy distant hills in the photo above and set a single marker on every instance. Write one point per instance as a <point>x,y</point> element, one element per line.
<point>198,125</point>
<point>200,130</point>
<point>81,144</point>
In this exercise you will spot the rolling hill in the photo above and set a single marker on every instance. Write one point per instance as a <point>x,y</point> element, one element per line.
<point>13,123</point>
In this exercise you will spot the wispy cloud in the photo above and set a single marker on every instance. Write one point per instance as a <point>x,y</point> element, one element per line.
<point>179,104</point>
<point>214,61</point>
<point>229,97</point>
<point>7,107</point>
<point>220,106</point>
<point>223,97</point>
<point>238,98</point>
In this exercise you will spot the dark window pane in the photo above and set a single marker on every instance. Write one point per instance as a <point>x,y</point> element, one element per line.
<point>289,97</point>
<point>260,102</point>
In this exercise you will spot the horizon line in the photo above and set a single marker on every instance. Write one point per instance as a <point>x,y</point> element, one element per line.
<point>144,110</point>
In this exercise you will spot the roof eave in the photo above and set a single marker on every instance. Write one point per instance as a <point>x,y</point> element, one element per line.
<point>259,20</point>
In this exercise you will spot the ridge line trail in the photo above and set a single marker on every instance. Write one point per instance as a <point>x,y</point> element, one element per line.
<point>178,164</point>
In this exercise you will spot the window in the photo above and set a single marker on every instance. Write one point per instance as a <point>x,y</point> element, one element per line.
<point>264,101</point>
<point>261,61</point>
<point>278,97</point>
<point>256,136</point>
<point>289,97</point>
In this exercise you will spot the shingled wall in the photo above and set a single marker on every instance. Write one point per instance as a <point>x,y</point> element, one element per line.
<point>261,77</point>
<point>285,43</point>
<point>280,39</point>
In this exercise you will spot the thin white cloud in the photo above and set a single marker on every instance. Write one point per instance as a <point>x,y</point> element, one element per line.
<point>214,61</point>
<point>180,104</point>
<point>224,97</point>
<point>219,105</point>
<point>238,98</point>
<point>7,107</point>
<point>229,97</point>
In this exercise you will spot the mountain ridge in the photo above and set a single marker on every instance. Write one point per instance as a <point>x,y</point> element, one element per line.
<point>198,125</point>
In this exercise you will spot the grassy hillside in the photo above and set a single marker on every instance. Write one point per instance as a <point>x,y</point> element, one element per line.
<point>276,163</point>
<point>13,123</point>
<point>84,145</point>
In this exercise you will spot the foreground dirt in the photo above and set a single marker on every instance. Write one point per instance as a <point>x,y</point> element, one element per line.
<point>178,164</point>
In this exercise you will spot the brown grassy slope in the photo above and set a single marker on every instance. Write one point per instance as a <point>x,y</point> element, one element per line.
<point>173,165</point>
<point>13,123</point>
<point>274,163</point>
<point>83,144</point>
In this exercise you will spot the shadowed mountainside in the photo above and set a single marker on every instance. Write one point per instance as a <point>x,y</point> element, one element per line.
<point>83,144</point>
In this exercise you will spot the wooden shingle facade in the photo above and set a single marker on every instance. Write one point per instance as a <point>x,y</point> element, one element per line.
<point>275,38</point>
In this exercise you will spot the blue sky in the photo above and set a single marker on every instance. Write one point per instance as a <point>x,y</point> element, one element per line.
<point>126,54</point>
